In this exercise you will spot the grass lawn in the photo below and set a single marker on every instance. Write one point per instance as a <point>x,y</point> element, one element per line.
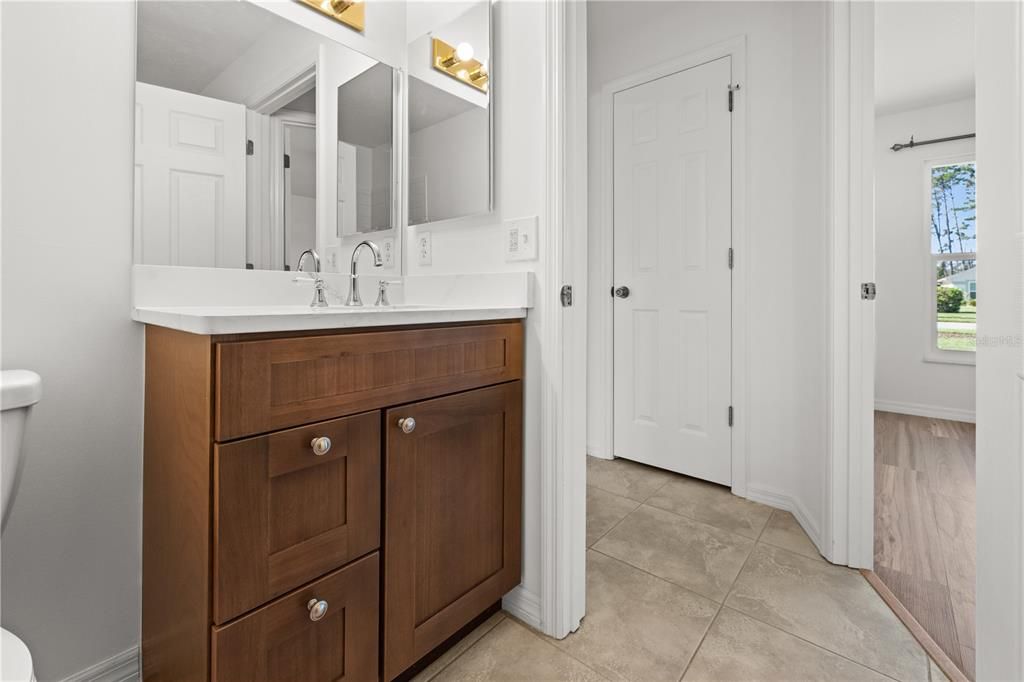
<point>957,340</point>
<point>966,314</point>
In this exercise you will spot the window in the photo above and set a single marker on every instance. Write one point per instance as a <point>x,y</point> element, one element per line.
<point>953,229</point>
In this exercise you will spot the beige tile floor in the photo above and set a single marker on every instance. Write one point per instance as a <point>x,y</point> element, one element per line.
<point>687,582</point>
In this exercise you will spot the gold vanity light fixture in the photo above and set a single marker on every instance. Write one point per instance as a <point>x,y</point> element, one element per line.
<point>348,12</point>
<point>458,63</point>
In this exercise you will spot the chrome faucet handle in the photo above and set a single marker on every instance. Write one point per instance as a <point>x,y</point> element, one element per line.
<point>319,287</point>
<point>319,294</point>
<point>382,291</point>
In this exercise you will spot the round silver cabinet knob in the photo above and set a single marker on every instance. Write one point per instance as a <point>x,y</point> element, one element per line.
<point>321,445</point>
<point>317,608</point>
<point>407,424</point>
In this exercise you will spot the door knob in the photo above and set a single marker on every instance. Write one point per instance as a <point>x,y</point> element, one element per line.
<point>621,292</point>
<point>407,424</point>
<point>321,445</point>
<point>317,608</point>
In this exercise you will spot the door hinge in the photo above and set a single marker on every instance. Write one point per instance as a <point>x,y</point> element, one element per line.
<point>732,90</point>
<point>250,147</point>
<point>868,290</point>
<point>730,258</point>
<point>566,295</point>
<point>730,415</point>
<point>287,161</point>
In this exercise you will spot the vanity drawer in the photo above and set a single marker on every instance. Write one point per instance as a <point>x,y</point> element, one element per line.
<point>281,641</point>
<point>275,383</point>
<point>284,514</point>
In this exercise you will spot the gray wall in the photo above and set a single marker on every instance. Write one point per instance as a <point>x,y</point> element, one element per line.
<point>71,548</point>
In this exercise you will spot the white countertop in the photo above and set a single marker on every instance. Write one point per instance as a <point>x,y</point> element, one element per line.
<point>282,318</point>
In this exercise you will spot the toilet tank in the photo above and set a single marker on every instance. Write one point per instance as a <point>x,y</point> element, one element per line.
<point>20,389</point>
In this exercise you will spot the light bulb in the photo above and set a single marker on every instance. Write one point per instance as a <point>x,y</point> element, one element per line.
<point>464,52</point>
<point>463,74</point>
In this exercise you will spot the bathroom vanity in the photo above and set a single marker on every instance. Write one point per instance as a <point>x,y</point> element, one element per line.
<point>327,504</point>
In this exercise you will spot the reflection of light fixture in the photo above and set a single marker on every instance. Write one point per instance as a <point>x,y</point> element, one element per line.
<point>458,63</point>
<point>464,52</point>
<point>348,12</point>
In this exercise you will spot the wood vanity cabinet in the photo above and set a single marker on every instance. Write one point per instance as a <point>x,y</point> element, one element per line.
<point>326,506</point>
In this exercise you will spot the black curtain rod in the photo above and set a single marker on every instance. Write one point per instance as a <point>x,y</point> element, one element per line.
<point>910,145</point>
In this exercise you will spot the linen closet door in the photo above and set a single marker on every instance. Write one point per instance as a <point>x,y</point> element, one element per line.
<point>672,223</point>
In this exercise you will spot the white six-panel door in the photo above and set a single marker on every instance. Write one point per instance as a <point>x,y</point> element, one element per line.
<point>189,179</point>
<point>672,225</point>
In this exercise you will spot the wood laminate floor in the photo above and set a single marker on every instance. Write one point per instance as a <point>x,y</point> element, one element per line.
<point>925,525</point>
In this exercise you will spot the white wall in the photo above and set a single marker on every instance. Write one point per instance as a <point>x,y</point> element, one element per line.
<point>450,155</point>
<point>785,185</point>
<point>903,270</point>
<point>71,555</point>
<point>1000,93</point>
<point>475,244</point>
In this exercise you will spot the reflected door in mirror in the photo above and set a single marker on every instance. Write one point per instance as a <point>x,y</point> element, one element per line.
<point>189,179</point>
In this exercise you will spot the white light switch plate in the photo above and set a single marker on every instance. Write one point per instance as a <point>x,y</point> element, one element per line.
<point>521,239</point>
<point>423,249</point>
<point>387,247</point>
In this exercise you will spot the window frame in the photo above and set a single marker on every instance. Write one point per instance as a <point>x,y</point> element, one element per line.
<point>932,352</point>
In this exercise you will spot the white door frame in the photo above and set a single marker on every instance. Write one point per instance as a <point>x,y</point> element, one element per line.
<point>601,265</point>
<point>848,528</point>
<point>278,122</point>
<point>999,92</point>
<point>561,603</point>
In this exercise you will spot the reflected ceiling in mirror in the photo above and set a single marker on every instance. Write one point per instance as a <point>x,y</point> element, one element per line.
<point>450,89</point>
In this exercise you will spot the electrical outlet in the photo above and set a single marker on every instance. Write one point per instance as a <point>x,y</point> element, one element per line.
<point>423,250</point>
<point>521,239</point>
<point>387,248</point>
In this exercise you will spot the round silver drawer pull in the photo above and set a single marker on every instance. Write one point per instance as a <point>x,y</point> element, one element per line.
<point>407,424</point>
<point>321,445</point>
<point>317,608</point>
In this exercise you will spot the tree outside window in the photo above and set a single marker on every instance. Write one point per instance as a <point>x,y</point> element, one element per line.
<point>953,251</point>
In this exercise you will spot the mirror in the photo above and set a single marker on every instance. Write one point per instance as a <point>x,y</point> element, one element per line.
<point>240,116</point>
<point>365,151</point>
<point>450,91</point>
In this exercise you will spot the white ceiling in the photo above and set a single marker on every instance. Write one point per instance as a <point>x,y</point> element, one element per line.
<point>429,105</point>
<point>364,108</point>
<point>924,53</point>
<point>185,45</point>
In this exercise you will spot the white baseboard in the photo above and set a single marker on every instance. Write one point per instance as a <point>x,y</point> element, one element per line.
<point>773,498</point>
<point>122,667</point>
<point>598,452</point>
<point>919,410</point>
<point>524,605</point>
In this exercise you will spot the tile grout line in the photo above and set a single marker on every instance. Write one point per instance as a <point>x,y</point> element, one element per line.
<point>491,629</point>
<point>544,638</point>
<point>793,634</point>
<point>721,605</point>
<point>809,642</point>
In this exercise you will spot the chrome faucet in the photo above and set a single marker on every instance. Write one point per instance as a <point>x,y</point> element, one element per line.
<point>319,295</point>
<point>353,276</point>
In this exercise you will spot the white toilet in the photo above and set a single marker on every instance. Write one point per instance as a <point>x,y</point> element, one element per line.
<point>19,390</point>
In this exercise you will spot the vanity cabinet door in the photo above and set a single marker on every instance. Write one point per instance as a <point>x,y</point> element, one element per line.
<point>289,508</point>
<point>327,630</point>
<point>453,516</point>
